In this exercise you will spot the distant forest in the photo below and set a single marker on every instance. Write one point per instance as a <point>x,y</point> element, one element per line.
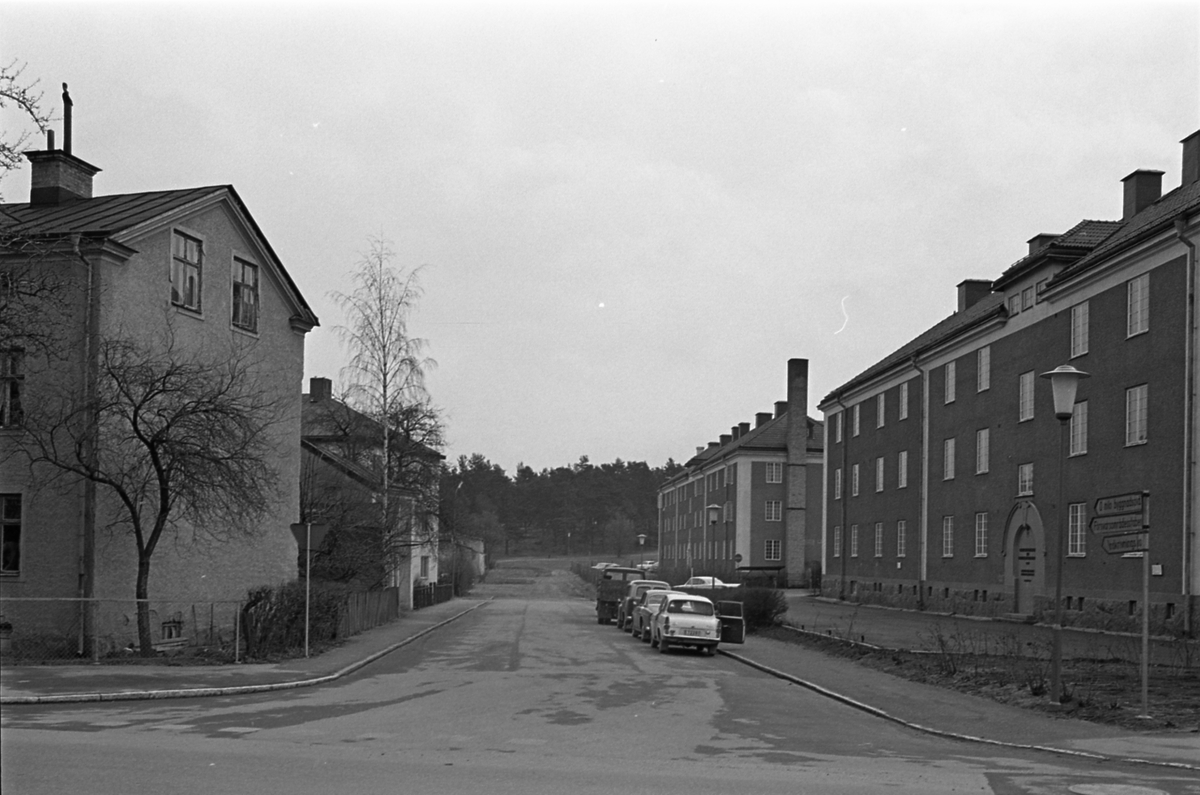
<point>582,509</point>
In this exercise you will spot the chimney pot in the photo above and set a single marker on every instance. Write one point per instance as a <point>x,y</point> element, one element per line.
<point>1142,188</point>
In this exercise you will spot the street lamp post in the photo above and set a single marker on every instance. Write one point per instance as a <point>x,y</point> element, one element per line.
<point>714,513</point>
<point>641,548</point>
<point>1064,380</point>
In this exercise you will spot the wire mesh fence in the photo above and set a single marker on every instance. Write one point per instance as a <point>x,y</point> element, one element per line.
<point>271,621</point>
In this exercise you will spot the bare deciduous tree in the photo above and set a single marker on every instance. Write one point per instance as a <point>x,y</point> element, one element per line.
<point>172,437</point>
<point>25,98</point>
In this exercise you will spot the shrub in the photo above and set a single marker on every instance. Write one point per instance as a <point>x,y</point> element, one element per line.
<point>763,607</point>
<point>273,619</point>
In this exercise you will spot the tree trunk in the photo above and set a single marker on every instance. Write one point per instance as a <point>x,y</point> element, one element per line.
<point>145,640</point>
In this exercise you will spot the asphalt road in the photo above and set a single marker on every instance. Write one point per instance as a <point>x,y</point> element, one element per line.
<point>525,695</point>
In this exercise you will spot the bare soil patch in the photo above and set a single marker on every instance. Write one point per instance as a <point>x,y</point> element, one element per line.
<point>1101,691</point>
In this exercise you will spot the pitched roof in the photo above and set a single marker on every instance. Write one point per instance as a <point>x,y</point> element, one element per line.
<point>123,213</point>
<point>1089,243</point>
<point>771,435</point>
<point>983,311</point>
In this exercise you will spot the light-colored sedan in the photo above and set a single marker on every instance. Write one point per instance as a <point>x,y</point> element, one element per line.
<point>686,620</point>
<point>703,582</point>
<point>644,611</point>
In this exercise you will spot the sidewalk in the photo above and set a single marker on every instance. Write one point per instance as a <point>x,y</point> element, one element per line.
<point>43,684</point>
<point>931,709</point>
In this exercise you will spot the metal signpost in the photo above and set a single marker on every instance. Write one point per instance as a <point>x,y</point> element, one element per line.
<point>306,536</point>
<point>1123,524</point>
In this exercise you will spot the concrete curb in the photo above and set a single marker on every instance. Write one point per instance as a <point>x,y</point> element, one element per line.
<point>201,692</point>
<point>879,713</point>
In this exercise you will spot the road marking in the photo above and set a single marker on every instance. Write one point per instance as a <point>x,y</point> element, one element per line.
<point>239,729</point>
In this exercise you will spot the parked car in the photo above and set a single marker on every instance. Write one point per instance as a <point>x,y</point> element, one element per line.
<point>611,586</point>
<point>633,593</point>
<point>644,610</point>
<point>703,582</point>
<point>686,620</point>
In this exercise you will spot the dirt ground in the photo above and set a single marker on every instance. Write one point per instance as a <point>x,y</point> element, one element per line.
<point>1100,691</point>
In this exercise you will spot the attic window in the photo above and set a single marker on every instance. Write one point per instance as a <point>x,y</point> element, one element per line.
<point>245,295</point>
<point>186,255</point>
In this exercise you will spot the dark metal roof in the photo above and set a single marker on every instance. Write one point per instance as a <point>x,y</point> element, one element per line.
<point>109,216</point>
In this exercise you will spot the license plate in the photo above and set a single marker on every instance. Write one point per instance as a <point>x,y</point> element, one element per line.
<point>699,633</point>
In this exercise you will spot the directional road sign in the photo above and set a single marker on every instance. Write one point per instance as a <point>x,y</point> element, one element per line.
<point>1116,525</point>
<point>1120,504</point>
<point>1123,544</point>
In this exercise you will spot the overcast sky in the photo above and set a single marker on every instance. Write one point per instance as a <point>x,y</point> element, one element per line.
<point>632,214</point>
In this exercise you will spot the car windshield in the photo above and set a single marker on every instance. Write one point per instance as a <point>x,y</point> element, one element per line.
<point>690,606</point>
<point>655,599</point>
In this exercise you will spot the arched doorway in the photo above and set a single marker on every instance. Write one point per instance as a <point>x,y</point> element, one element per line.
<point>1025,550</point>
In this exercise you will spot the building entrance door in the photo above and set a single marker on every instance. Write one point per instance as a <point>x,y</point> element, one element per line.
<point>1026,556</point>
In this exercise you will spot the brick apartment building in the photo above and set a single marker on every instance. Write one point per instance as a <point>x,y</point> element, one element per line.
<point>741,506</point>
<point>943,459</point>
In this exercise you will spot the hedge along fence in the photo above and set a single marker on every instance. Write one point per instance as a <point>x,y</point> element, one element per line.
<point>273,617</point>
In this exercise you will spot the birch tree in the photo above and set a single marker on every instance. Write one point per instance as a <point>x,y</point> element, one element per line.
<point>385,376</point>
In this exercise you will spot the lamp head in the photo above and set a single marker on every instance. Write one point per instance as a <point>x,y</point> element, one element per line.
<point>1064,380</point>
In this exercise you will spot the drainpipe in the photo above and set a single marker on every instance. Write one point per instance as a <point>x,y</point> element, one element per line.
<point>923,537</point>
<point>87,531</point>
<point>1189,424</point>
<point>845,553</point>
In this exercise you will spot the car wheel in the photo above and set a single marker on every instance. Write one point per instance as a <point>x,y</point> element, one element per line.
<point>636,632</point>
<point>653,640</point>
<point>662,645</point>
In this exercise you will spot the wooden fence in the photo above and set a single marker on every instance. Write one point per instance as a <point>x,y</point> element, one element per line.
<point>365,610</point>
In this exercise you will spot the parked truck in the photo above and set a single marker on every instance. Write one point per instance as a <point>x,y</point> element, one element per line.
<point>611,586</point>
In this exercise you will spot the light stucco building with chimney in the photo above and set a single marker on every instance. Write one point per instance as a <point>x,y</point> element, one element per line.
<point>186,269</point>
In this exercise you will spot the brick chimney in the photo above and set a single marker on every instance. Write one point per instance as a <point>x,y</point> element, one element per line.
<point>59,176</point>
<point>1142,188</point>
<point>972,291</point>
<point>761,418</point>
<point>1191,159</point>
<point>798,548</point>
<point>725,439</point>
<point>743,428</point>
<point>780,408</point>
<point>319,389</point>
<point>734,433</point>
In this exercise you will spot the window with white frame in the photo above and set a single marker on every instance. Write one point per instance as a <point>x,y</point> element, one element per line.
<point>901,538</point>
<point>10,535</point>
<point>854,541</point>
<point>950,380</point>
<point>948,459</point>
<point>774,549</point>
<point>837,540</point>
<point>854,480</point>
<point>1027,298</point>
<point>1014,305</point>
<point>186,265</point>
<point>730,475</point>
<point>981,534</point>
<point>837,426</point>
<point>245,295</point>
<point>856,411</point>
<point>1135,415</point>
<point>879,473</point>
<point>728,511</point>
<point>1076,530</point>
<point>1025,405</point>
<point>983,373</point>
<point>1137,314</point>
<point>947,536</point>
<point>1079,329</point>
<point>1079,429</point>
<point>837,483</point>
<point>774,512</point>
<point>880,409</point>
<point>902,470</point>
<point>1024,480</point>
<point>982,450</point>
<point>879,539</point>
<point>774,471</point>
<point>12,386</point>
<point>903,400</point>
